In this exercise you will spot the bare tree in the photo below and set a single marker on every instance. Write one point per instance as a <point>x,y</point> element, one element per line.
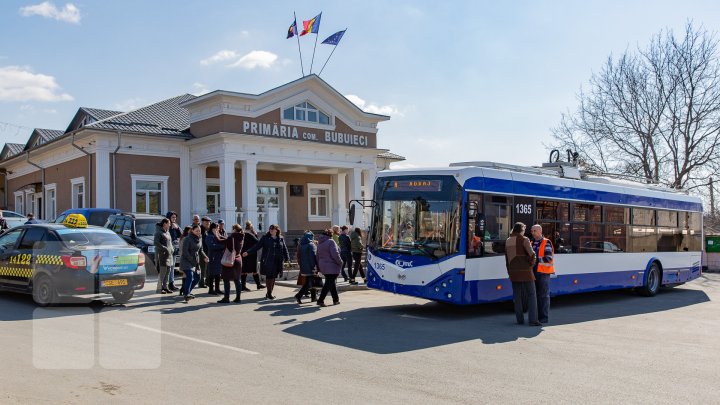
<point>653,113</point>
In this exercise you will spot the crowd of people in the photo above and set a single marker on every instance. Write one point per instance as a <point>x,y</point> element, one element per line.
<point>209,254</point>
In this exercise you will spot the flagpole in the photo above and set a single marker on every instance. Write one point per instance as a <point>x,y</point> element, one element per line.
<point>302,69</point>
<point>331,54</point>
<point>317,34</point>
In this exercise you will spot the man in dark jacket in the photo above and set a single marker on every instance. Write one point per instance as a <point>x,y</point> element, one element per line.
<point>345,250</point>
<point>204,226</point>
<point>175,233</point>
<point>307,259</point>
<point>519,261</point>
<point>164,252</point>
<point>3,224</point>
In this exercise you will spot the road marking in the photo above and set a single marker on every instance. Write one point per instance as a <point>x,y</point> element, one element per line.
<point>415,317</point>
<point>192,339</point>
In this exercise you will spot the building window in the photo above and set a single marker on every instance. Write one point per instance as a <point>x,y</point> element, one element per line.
<point>78,192</point>
<point>319,202</point>
<point>50,203</point>
<point>149,194</point>
<point>20,202</point>
<point>306,112</point>
<point>212,197</point>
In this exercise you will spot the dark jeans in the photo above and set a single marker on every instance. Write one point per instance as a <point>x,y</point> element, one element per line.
<point>347,260</point>
<point>238,288</point>
<point>542,286</point>
<point>203,272</point>
<point>524,295</point>
<point>329,286</point>
<point>307,287</point>
<point>187,284</point>
<point>357,258</point>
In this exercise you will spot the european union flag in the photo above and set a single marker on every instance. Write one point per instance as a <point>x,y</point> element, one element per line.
<point>334,39</point>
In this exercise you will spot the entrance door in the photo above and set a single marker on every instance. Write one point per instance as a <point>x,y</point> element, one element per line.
<point>271,195</point>
<point>39,206</point>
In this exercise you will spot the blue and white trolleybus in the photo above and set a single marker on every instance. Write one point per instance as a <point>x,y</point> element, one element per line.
<point>440,233</point>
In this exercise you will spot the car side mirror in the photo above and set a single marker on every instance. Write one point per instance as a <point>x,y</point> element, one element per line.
<point>126,232</point>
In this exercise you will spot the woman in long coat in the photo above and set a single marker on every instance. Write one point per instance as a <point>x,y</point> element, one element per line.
<point>233,243</point>
<point>329,262</point>
<point>216,248</point>
<point>274,254</point>
<point>307,259</point>
<point>249,265</point>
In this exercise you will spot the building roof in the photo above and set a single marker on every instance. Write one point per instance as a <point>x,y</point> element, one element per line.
<point>12,149</point>
<point>99,114</point>
<point>166,117</point>
<point>49,134</point>
<point>391,156</point>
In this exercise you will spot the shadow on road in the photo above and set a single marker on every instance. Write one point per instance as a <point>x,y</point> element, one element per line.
<point>404,328</point>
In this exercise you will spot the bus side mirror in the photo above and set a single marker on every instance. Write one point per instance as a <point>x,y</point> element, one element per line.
<point>351,214</point>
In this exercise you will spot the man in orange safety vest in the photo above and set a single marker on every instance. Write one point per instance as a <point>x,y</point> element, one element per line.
<point>544,267</point>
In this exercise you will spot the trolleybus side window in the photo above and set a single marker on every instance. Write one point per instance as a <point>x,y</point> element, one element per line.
<point>498,215</point>
<point>616,220</point>
<point>643,232</point>
<point>476,225</point>
<point>554,217</point>
<point>587,230</point>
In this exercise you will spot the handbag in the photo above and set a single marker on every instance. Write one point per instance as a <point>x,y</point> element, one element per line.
<point>317,282</point>
<point>228,258</point>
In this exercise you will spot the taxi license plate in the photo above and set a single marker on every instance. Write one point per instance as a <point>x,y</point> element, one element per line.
<point>151,249</point>
<point>115,283</point>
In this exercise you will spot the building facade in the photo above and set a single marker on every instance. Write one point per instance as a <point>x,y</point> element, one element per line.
<point>294,155</point>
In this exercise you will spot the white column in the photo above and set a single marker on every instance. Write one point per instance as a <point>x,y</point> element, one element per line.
<point>249,191</point>
<point>271,217</point>
<point>102,179</point>
<point>185,214</point>
<point>354,188</point>
<point>227,192</point>
<point>199,190</point>
<point>339,204</point>
<point>369,176</point>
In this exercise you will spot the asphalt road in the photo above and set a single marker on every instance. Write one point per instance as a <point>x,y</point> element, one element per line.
<point>608,347</point>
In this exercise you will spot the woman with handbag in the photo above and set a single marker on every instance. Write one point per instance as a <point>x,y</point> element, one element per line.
<point>307,259</point>
<point>249,265</point>
<point>232,263</point>
<point>216,248</point>
<point>329,263</point>
<point>274,254</point>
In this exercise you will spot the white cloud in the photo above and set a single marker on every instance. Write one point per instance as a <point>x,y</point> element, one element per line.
<point>199,89</point>
<point>70,13</point>
<point>373,108</point>
<point>130,104</point>
<point>262,59</point>
<point>219,57</point>
<point>21,84</point>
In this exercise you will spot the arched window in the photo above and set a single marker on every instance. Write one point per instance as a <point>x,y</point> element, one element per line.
<point>306,112</point>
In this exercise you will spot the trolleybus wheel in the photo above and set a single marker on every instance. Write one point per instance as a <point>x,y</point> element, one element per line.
<point>653,281</point>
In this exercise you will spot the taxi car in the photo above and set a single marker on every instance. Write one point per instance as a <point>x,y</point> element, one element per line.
<point>56,261</point>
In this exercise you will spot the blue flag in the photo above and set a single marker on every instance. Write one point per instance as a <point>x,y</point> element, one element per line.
<point>334,39</point>
<point>292,31</point>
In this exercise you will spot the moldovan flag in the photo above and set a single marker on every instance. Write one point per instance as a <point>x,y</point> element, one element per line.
<point>311,26</point>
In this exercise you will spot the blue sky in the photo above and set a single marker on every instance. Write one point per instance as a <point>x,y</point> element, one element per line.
<point>462,80</point>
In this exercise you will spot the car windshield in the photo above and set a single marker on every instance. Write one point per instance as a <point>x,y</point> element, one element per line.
<point>145,227</point>
<point>90,237</point>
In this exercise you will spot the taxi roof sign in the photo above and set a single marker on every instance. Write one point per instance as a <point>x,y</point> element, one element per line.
<point>75,221</point>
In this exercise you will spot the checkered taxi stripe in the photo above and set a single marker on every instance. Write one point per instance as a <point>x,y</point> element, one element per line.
<point>15,272</point>
<point>48,259</point>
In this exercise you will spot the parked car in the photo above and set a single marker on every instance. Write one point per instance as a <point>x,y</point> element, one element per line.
<point>55,262</point>
<point>94,216</point>
<point>13,218</point>
<point>137,230</point>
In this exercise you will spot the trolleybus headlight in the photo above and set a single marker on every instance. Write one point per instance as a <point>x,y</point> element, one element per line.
<point>444,285</point>
<point>449,295</point>
<point>437,289</point>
